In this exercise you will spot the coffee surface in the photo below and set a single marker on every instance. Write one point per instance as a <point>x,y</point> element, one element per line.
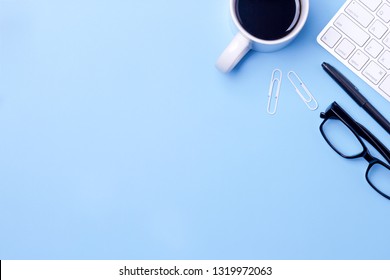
<point>268,19</point>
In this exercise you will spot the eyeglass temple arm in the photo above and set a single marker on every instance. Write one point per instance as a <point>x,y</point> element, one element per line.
<point>370,138</point>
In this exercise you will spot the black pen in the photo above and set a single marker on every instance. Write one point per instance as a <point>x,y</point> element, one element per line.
<point>354,93</point>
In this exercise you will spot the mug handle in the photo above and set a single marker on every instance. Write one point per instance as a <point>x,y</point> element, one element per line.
<point>234,52</point>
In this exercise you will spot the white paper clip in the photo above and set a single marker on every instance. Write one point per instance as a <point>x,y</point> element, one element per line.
<point>274,90</point>
<point>309,100</point>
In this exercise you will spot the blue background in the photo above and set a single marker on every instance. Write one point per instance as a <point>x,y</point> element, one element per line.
<point>121,140</point>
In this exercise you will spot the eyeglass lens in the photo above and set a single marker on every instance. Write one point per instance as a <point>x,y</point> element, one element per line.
<point>378,175</point>
<point>341,138</point>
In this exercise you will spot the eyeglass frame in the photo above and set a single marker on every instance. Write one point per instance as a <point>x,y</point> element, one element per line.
<point>335,111</point>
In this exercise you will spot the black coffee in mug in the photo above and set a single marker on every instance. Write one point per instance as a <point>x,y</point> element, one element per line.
<point>268,19</point>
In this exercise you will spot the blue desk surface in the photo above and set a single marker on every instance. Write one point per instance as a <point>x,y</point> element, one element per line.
<point>121,140</point>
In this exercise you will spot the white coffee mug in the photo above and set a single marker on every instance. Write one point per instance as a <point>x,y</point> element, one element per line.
<point>245,40</point>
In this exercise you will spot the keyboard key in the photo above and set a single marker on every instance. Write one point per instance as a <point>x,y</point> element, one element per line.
<point>371,4</point>
<point>360,14</point>
<point>385,86</point>
<point>386,41</point>
<point>345,48</point>
<point>384,13</point>
<point>385,60</point>
<point>331,37</point>
<point>352,30</point>
<point>358,60</point>
<point>378,29</point>
<point>374,48</point>
<point>374,72</point>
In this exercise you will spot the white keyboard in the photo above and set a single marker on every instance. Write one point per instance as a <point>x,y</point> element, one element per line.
<point>359,36</point>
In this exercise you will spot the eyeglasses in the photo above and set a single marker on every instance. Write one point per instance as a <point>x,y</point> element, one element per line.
<point>345,136</point>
